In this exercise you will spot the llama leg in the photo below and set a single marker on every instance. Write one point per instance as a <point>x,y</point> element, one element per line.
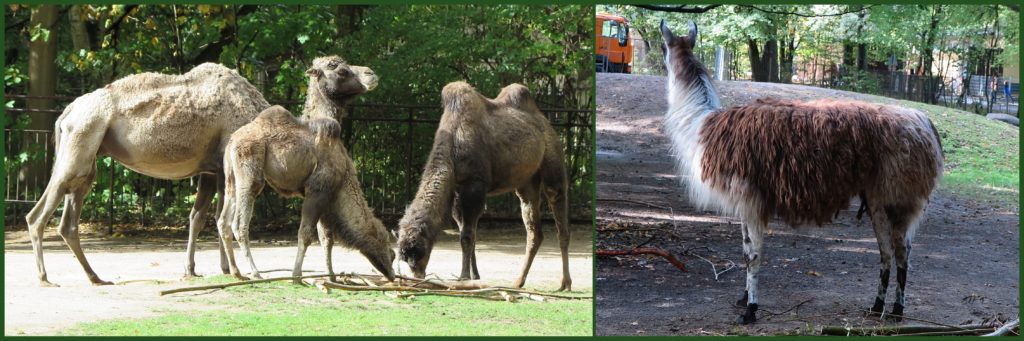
<point>529,204</point>
<point>313,207</point>
<point>742,302</point>
<point>69,225</point>
<point>904,224</point>
<point>197,219</point>
<point>755,232</point>
<point>328,244</point>
<point>883,234</point>
<point>469,201</point>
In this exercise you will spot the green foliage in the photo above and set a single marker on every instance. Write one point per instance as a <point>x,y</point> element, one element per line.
<point>415,50</point>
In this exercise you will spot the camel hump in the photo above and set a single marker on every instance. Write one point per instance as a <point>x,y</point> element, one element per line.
<point>460,97</point>
<point>275,113</point>
<point>517,95</point>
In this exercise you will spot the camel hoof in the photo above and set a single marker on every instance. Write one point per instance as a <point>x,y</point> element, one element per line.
<point>240,277</point>
<point>46,284</point>
<point>190,276</point>
<point>565,288</point>
<point>98,282</point>
<point>256,275</point>
<point>518,284</point>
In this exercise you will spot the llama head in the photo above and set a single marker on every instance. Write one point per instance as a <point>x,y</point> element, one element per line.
<point>339,80</point>
<point>675,47</point>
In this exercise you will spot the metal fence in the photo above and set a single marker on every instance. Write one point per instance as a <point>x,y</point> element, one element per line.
<point>389,144</point>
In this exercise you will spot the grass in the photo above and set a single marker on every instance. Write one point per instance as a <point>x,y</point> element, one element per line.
<point>285,309</point>
<point>982,156</point>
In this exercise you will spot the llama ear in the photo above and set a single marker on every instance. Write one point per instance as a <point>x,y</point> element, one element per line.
<point>693,34</point>
<point>666,33</point>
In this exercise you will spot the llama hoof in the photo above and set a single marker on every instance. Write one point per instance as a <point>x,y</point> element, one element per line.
<point>750,316</point>
<point>744,319</point>
<point>896,314</point>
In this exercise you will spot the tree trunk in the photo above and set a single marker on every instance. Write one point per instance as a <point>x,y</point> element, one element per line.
<point>78,30</point>
<point>764,63</point>
<point>926,51</point>
<point>786,55</point>
<point>42,81</point>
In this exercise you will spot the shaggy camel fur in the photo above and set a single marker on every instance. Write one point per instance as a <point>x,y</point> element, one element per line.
<point>802,162</point>
<point>303,158</point>
<point>164,126</point>
<point>486,147</point>
<point>286,153</point>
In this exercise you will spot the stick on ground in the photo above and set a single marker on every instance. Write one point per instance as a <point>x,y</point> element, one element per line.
<point>644,251</point>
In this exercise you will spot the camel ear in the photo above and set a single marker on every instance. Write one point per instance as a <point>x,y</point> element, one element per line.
<point>692,36</point>
<point>313,71</point>
<point>666,33</point>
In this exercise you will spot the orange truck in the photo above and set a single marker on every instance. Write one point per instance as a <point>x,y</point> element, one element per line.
<point>614,46</point>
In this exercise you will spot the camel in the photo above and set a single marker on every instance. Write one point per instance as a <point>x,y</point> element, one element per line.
<point>300,158</point>
<point>303,158</point>
<point>163,126</point>
<point>485,147</point>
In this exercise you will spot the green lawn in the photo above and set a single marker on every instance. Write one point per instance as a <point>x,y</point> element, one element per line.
<point>982,156</point>
<point>286,309</point>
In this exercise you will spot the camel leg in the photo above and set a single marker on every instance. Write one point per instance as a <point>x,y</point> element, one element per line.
<point>468,206</point>
<point>313,206</point>
<point>37,219</point>
<point>243,217</point>
<point>556,188</point>
<point>224,267</point>
<point>69,225</point>
<point>328,244</point>
<point>529,205</point>
<point>755,232</point>
<point>197,219</point>
<point>224,226</point>
<point>883,234</point>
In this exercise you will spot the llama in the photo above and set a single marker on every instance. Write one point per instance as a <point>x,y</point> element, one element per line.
<point>486,147</point>
<point>801,162</point>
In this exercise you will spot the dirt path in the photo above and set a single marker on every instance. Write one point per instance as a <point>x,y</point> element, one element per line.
<point>29,309</point>
<point>965,266</point>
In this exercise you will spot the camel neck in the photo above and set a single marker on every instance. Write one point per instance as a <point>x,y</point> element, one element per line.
<point>318,105</point>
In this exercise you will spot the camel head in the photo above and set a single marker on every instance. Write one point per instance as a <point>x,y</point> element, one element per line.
<point>339,81</point>
<point>415,242</point>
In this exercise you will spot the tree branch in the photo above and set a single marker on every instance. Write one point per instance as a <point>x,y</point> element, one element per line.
<point>806,15</point>
<point>679,8</point>
<point>211,52</point>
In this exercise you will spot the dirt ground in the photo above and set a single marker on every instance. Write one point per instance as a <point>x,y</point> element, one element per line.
<point>31,310</point>
<point>965,266</point>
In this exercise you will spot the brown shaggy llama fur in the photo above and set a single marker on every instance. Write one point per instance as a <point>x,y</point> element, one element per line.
<point>805,160</point>
<point>486,147</point>
<point>802,162</point>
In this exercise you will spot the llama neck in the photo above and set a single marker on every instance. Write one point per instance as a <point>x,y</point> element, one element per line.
<point>692,95</point>
<point>319,105</point>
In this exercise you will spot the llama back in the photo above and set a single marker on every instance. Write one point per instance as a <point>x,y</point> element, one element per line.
<point>804,161</point>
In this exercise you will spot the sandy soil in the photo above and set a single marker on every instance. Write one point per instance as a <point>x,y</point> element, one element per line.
<point>29,309</point>
<point>965,266</point>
